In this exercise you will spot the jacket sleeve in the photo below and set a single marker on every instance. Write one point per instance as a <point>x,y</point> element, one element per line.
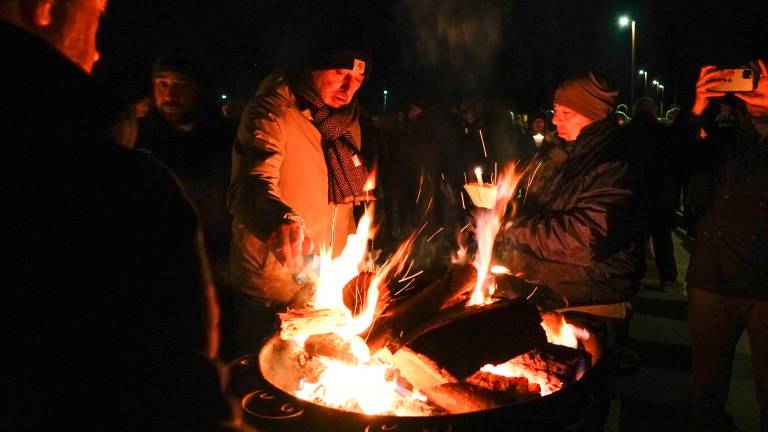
<point>602,219</point>
<point>254,194</point>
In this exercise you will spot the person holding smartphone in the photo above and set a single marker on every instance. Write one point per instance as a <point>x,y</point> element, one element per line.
<point>728,273</point>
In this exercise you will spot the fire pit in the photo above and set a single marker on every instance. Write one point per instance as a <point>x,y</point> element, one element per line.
<point>266,388</point>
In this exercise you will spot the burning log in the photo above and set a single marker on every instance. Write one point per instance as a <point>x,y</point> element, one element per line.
<point>465,340</point>
<point>329,345</point>
<point>309,321</point>
<point>355,292</point>
<point>441,388</point>
<point>545,370</point>
<point>419,370</point>
<point>444,292</point>
<point>458,398</point>
<point>517,388</point>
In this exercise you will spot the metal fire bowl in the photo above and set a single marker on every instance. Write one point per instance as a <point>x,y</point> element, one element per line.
<point>269,408</point>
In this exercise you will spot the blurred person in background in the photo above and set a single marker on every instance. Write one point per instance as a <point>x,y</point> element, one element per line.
<point>662,161</point>
<point>622,118</point>
<point>537,136</point>
<point>185,129</point>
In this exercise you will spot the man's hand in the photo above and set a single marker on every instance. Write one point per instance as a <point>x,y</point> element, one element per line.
<point>709,77</point>
<point>289,244</point>
<point>757,100</point>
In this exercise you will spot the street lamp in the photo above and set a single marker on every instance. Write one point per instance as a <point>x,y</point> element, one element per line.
<point>659,88</point>
<point>661,101</point>
<point>384,107</point>
<point>623,22</point>
<point>644,73</point>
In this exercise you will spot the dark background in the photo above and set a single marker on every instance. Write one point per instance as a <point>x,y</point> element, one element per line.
<point>516,51</point>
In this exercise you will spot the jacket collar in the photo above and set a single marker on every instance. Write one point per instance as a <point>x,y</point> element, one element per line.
<point>594,135</point>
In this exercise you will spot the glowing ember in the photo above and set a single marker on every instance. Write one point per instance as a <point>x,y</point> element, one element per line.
<point>559,332</point>
<point>364,387</point>
<point>512,369</point>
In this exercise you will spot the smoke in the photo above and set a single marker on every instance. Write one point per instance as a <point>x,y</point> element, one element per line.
<point>457,40</point>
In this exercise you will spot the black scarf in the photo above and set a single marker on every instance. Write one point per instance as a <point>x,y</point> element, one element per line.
<point>347,174</point>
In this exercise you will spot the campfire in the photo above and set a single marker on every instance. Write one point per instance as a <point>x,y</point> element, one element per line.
<point>450,348</point>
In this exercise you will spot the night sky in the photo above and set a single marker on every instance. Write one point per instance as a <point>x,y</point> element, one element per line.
<point>515,51</point>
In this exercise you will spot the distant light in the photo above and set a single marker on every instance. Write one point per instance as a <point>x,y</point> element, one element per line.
<point>641,72</point>
<point>223,97</point>
<point>624,21</point>
<point>385,92</point>
<point>655,82</point>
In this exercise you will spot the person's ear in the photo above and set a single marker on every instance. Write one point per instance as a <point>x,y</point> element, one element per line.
<point>41,14</point>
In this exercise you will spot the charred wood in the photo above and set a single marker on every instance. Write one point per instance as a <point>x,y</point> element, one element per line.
<point>422,306</point>
<point>465,340</point>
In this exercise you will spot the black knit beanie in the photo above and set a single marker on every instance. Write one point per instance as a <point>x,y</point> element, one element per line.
<point>184,63</point>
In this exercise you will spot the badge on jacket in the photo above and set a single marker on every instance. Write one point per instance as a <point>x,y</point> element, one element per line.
<point>359,67</point>
<point>356,161</point>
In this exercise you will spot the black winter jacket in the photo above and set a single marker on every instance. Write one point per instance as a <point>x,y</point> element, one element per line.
<point>584,244</point>
<point>731,255</point>
<point>108,302</point>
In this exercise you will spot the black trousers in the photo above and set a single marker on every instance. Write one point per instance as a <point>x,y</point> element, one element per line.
<point>257,322</point>
<point>716,323</point>
<point>661,238</point>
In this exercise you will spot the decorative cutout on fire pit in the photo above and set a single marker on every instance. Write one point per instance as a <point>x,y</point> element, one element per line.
<point>268,405</point>
<point>408,427</point>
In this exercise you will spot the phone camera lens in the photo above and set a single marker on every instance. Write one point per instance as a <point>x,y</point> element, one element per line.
<point>747,73</point>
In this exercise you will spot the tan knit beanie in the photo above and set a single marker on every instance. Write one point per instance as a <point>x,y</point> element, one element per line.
<point>588,95</point>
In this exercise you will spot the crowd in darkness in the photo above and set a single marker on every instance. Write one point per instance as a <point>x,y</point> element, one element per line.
<point>160,238</point>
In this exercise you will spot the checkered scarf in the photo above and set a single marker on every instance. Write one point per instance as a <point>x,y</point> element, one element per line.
<point>347,173</point>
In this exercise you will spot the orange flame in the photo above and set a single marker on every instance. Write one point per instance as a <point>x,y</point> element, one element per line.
<point>560,332</point>
<point>365,385</point>
<point>336,272</point>
<point>370,183</point>
<point>487,226</point>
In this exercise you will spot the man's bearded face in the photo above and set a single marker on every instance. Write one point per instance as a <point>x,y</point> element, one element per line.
<point>176,96</point>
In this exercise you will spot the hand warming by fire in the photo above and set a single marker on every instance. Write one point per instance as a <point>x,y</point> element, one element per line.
<point>449,348</point>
